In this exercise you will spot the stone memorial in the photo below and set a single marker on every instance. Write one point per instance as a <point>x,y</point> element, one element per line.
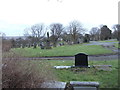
<point>60,44</point>
<point>81,60</point>
<point>83,85</point>
<point>42,45</point>
<point>48,41</point>
<point>54,85</point>
<point>103,67</point>
<point>23,46</point>
<point>35,45</point>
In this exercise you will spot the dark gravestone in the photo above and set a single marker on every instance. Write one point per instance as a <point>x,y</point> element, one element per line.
<point>42,45</point>
<point>35,45</point>
<point>81,60</point>
<point>48,44</point>
<point>60,44</point>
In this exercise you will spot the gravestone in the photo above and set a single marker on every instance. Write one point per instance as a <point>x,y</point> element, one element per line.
<point>82,85</point>
<point>42,45</point>
<point>63,44</point>
<point>103,67</point>
<point>53,85</point>
<point>23,46</point>
<point>81,60</point>
<point>35,45</point>
<point>48,42</point>
<point>60,44</point>
<point>87,38</point>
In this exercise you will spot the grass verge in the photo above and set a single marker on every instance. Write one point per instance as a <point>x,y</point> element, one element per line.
<point>67,50</point>
<point>17,73</point>
<point>107,79</point>
<point>117,45</point>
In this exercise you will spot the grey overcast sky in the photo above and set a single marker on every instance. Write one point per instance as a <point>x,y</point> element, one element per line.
<point>16,15</point>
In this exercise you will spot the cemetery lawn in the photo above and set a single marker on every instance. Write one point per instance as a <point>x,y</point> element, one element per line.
<point>107,79</point>
<point>66,50</point>
<point>116,45</point>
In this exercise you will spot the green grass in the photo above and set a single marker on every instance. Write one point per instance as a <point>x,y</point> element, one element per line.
<point>117,45</point>
<point>66,50</point>
<point>105,78</point>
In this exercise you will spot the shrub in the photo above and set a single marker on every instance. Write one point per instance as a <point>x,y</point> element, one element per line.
<point>6,45</point>
<point>20,73</point>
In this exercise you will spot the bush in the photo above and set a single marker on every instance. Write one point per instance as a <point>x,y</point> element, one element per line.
<point>6,45</point>
<point>19,73</point>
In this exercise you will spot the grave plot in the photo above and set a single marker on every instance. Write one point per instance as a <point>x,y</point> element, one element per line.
<point>81,60</point>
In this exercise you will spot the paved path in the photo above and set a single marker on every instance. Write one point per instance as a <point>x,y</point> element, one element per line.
<point>107,45</point>
<point>94,57</point>
<point>101,43</point>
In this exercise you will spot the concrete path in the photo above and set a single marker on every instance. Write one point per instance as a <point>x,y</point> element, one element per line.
<point>94,57</point>
<point>107,45</point>
<point>101,43</point>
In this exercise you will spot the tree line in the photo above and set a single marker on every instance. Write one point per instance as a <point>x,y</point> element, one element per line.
<point>56,33</point>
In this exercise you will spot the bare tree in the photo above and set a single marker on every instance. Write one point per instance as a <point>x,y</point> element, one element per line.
<point>36,31</point>
<point>95,33</point>
<point>56,31</point>
<point>3,35</point>
<point>65,37</point>
<point>116,32</point>
<point>75,28</point>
